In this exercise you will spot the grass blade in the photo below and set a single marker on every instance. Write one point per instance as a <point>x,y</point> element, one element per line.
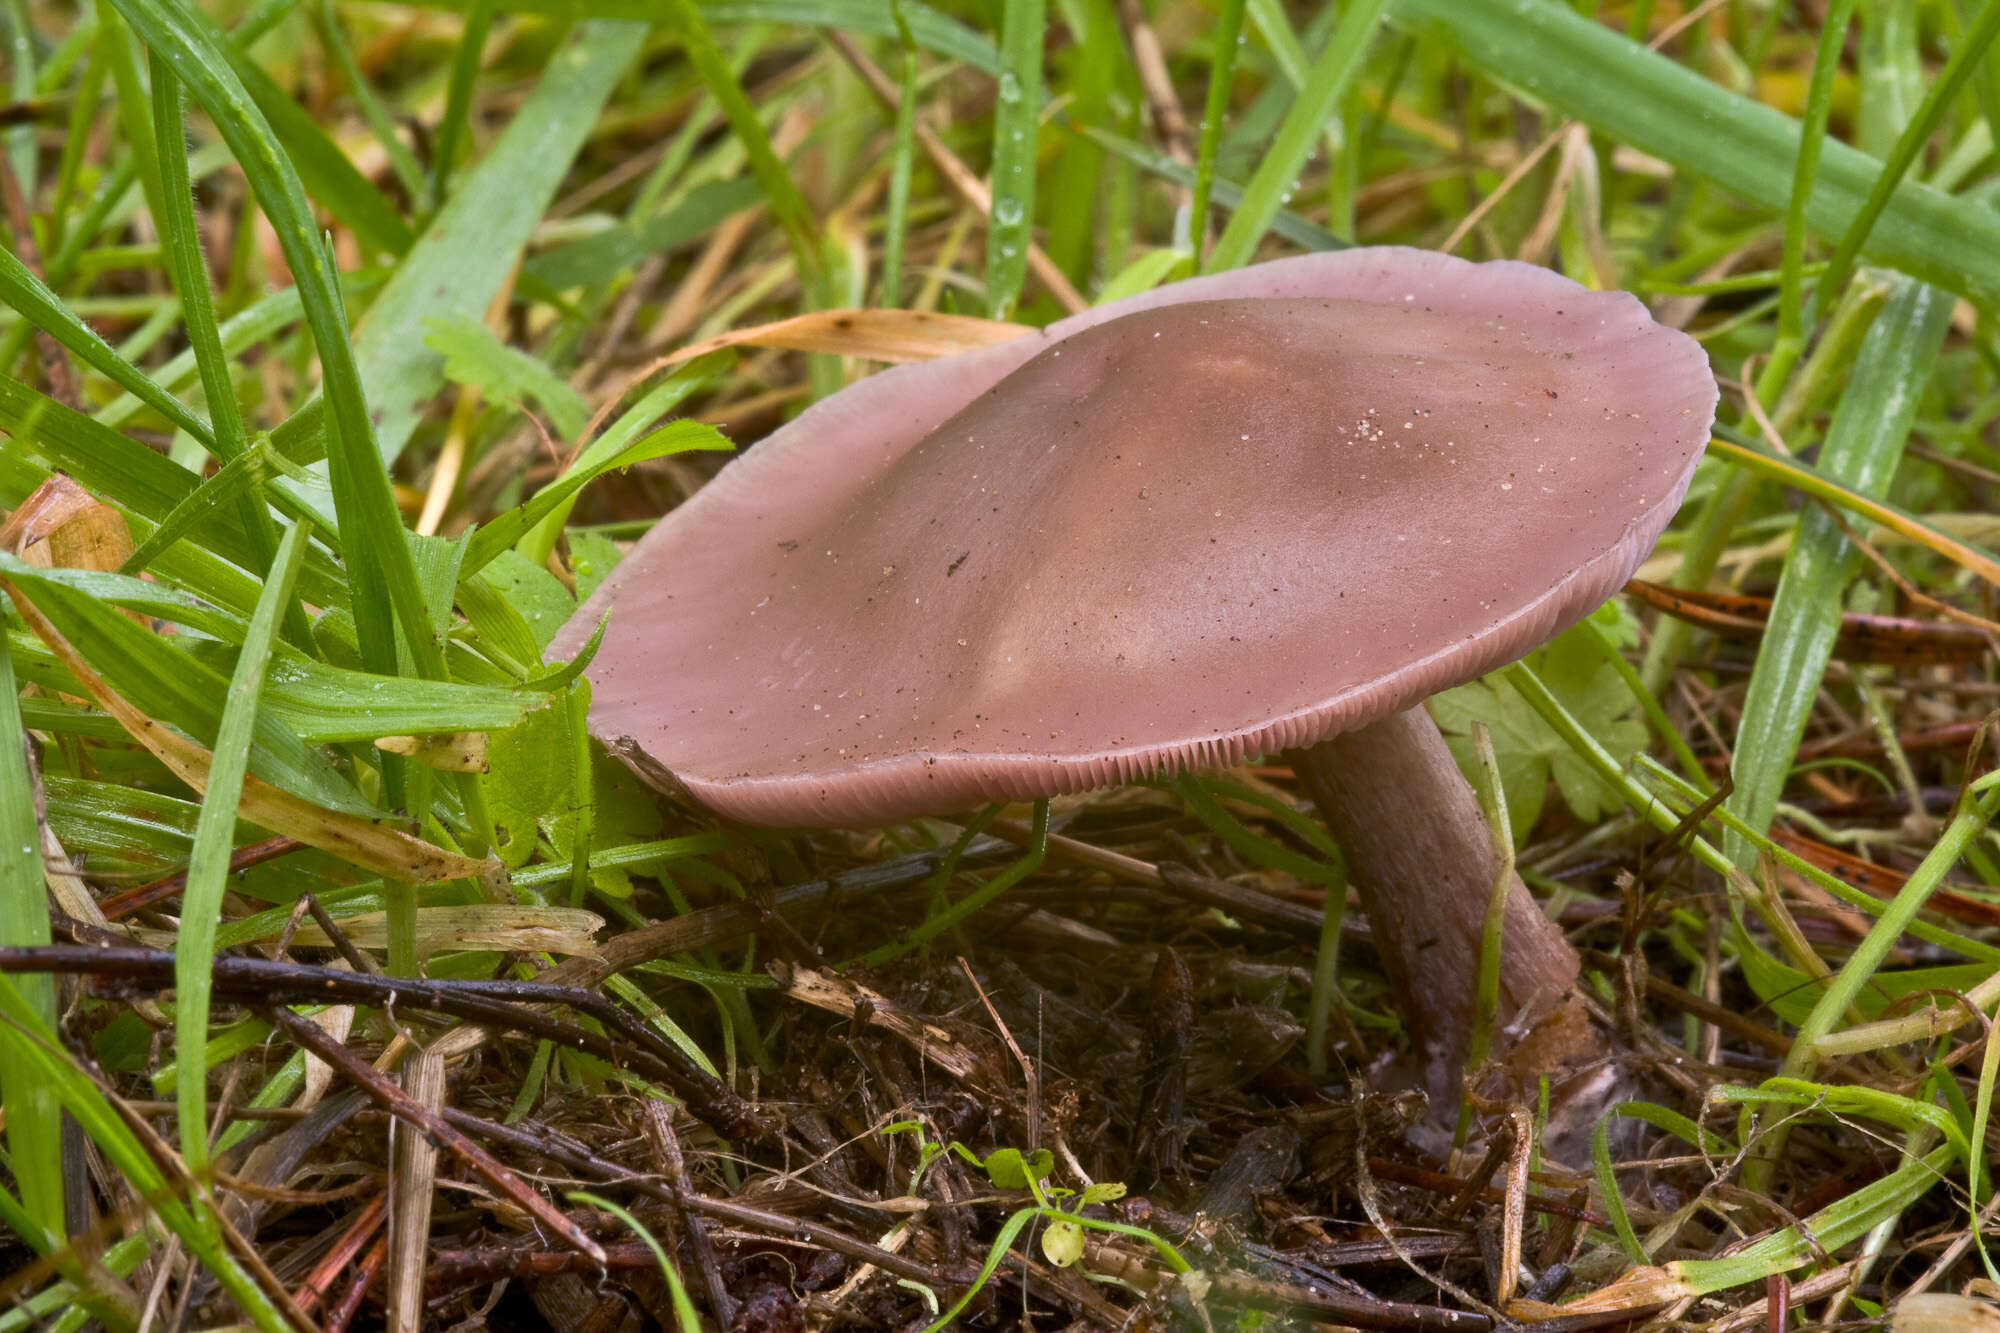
<point>1017,119</point>
<point>902,157</point>
<point>458,98</point>
<point>788,206</point>
<point>1277,175</point>
<point>1910,143</point>
<point>380,567</point>
<point>42,308</point>
<point>1861,451</point>
<point>34,1122</point>
<point>41,1058</point>
<point>476,239</point>
<point>1812,140</point>
<point>214,839</point>
<point>182,243</point>
<point>1631,95</point>
<point>322,168</point>
<point>1810,481</point>
<point>1228,28</point>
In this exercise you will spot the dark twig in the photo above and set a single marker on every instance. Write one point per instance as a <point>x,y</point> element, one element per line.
<point>344,946</point>
<point>1245,904</point>
<point>1402,1173</point>
<point>575,1157</point>
<point>496,1003</point>
<point>466,1268</point>
<point>430,1123</point>
<point>170,886</point>
<point>660,1128</point>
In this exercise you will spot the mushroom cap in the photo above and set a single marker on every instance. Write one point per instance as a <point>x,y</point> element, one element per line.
<point>1232,515</point>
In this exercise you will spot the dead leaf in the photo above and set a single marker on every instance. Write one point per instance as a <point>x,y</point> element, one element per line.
<point>54,505</point>
<point>1942,1312</point>
<point>1637,1288</point>
<point>459,752</point>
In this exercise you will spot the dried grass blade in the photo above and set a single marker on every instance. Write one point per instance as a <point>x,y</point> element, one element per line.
<point>879,335</point>
<point>362,842</point>
<point>1802,477</point>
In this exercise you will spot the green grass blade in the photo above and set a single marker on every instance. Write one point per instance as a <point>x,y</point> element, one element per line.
<point>1825,1231</point>
<point>902,158</point>
<point>1283,43</point>
<point>1017,116</point>
<point>538,523</point>
<point>686,1318</point>
<point>1228,27</point>
<point>458,98</point>
<point>1227,193</point>
<point>1910,143</point>
<point>109,464</point>
<point>323,169</point>
<point>1812,139</point>
<point>930,29</point>
<point>41,1057</point>
<point>231,482</point>
<point>170,685</point>
<point>385,588</point>
<point>1809,480</point>
<point>182,242</point>
<point>1618,88</point>
<point>788,206</point>
<point>214,839</point>
<point>1873,951</point>
<point>476,239</point>
<point>1089,70</point>
<point>42,308</point>
<point>256,322</point>
<point>1862,448</point>
<point>34,1122</point>
<point>540,519</point>
<point>383,126</point>
<point>605,256</point>
<point>1331,75</point>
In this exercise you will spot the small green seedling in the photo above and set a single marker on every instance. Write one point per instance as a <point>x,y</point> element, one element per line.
<point>1061,1208</point>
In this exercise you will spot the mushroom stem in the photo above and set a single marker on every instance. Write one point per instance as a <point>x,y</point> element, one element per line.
<point>1421,858</point>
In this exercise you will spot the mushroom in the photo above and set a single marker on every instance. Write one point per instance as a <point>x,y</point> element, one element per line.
<point>1268,510</point>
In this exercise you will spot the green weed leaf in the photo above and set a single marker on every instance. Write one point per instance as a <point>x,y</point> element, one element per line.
<point>472,355</point>
<point>1010,1170</point>
<point>1529,751</point>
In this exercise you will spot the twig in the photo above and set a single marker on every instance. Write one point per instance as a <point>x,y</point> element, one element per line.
<point>1028,1075</point>
<point>357,1291</point>
<point>573,1156</point>
<point>171,885</point>
<point>498,1003</point>
<point>1150,61</point>
<point>712,927</point>
<point>345,1250</point>
<point>660,1129</point>
<point>433,1124</point>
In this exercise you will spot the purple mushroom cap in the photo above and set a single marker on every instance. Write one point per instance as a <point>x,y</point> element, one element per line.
<point>1233,515</point>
